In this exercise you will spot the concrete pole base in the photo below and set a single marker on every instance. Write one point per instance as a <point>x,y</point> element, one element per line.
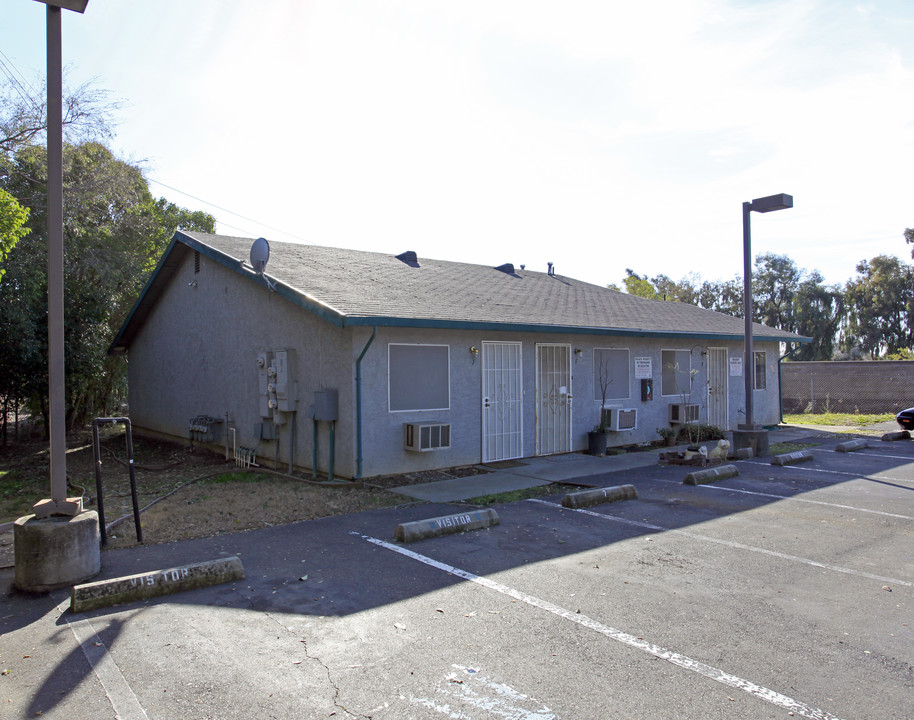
<point>753,436</point>
<point>56,552</point>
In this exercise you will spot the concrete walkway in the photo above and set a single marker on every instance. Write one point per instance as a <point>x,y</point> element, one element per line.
<point>531,472</point>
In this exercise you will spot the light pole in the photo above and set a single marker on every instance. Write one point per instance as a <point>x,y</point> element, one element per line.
<point>58,504</point>
<point>749,434</point>
<point>58,545</point>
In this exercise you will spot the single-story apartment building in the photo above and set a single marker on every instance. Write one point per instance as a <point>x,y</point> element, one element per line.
<point>368,364</point>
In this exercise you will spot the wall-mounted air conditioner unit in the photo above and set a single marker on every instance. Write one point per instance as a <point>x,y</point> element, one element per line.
<point>682,413</point>
<point>422,437</point>
<point>623,419</point>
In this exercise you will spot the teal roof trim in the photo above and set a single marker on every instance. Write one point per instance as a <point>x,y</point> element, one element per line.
<point>183,243</point>
<point>296,297</point>
<point>118,345</point>
<point>168,263</point>
<point>383,321</point>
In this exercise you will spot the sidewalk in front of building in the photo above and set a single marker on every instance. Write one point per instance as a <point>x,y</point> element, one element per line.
<point>532,472</point>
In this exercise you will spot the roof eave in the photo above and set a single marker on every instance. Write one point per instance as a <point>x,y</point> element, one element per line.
<point>388,321</point>
<point>161,275</point>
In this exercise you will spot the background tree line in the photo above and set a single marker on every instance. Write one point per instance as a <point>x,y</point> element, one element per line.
<point>114,232</point>
<point>871,316</point>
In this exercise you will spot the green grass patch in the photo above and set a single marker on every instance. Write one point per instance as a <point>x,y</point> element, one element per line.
<point>789,447</point>
<point>233,477</point>
<point>838,419</point>
<point>523,494</point>
<point>17,496</point>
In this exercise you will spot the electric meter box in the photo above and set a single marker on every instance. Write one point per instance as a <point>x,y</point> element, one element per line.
<point>263,383</point>
<point>326,405</point>
<point>284,363</point>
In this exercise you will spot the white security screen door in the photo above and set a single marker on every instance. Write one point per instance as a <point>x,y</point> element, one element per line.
<point>718,397</point>
<point>553,399</point>
<point>502,401</point>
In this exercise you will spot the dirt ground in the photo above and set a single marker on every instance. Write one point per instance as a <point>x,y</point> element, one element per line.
<point>183,492</point>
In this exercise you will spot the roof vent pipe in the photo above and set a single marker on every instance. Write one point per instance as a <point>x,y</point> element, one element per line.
<point>550,270</point>
<point>409,257</point>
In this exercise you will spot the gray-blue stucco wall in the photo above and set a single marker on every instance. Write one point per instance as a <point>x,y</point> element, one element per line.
<point>196,354</point>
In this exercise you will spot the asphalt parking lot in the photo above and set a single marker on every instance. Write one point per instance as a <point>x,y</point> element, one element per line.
<point>784,591</point>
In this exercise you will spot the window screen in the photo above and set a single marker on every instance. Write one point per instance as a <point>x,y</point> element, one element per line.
<point>675,376</point>
<point>610,367</point>
<point>418,377</point>
<point>760,376</point>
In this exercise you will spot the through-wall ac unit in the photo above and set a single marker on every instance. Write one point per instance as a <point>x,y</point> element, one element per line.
<point>682,413</point>
<point>422,437</point>
<point>623,419</point>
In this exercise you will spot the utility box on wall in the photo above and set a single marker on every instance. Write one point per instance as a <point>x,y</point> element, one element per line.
<point>326,405</point>
<point>284,380</point>
<point>263,383</point>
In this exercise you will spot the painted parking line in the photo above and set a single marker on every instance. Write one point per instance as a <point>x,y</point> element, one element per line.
<point>731,544</point>
<point>724,488</point>
<point>798,499</point>
<point>683,661</point>
<point>468,688</point>
<point>874,455</point>
<point>117,689</point>
<point>806,468</point>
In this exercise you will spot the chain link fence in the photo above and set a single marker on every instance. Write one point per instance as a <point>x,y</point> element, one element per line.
<point>885,386</point>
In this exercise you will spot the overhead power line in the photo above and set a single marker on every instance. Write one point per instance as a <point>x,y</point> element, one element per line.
<point>9,69</point>
<point>230,212</point>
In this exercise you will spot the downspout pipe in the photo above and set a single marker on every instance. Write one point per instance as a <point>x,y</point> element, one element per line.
<point>790,351</point>
<point>358,403</point>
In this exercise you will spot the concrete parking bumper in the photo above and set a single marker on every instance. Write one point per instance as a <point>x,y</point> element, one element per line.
<point>852,445</point>
<point>709,475</point>
<point>115,591</point>
<point>446,525</point>
<point>792,458</point>
<point>597,496</point>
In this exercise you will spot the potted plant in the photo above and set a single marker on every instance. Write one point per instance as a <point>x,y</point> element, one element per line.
<point>668,435</point>
<point>596,440</point>
<point>692,430</point>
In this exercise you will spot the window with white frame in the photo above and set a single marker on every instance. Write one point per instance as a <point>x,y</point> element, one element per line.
<point>611,373</point>
<point>418,377</point>
<point>676,372</point>
<point>760,374</point>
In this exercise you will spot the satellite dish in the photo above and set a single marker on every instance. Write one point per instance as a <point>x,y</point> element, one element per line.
<point>260,254</point>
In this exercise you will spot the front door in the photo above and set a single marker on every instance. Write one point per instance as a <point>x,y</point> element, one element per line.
<point>502,401</point>
<point>553,399</point>
<point>718,398</point>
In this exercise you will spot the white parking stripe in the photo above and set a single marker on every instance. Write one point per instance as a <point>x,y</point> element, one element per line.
<point>683,661</point>
<point>120,694</point>
<point>829,472</point>
<point>875,455</point>
<point>730,543</point>
<point>794,497</point>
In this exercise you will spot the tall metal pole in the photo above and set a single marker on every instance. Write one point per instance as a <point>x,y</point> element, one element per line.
<point>748,363</point>
<point>58,504</point>
<point>56,381</point>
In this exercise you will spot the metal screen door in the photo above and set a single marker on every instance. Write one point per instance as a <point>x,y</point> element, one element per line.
<point>718,397</point>
<point>502,401</point>
<point>553,399</point>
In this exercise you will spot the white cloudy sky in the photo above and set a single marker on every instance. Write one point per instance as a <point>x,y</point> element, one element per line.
<point>598,135</point>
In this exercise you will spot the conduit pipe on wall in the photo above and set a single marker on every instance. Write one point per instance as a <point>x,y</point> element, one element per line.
<point>790,351</point>
<point>358,403</point>
<point>291,441</point>
<point>314,455</point>
<point>332,450</point>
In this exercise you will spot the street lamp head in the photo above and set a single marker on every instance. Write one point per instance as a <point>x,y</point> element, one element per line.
<point>771,203</point>
<point>74,5</point>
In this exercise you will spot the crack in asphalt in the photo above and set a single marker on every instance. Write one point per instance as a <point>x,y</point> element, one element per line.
<point>249,596</point>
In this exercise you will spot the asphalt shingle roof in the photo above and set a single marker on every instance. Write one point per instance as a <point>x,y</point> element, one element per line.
<point>355,287</point>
